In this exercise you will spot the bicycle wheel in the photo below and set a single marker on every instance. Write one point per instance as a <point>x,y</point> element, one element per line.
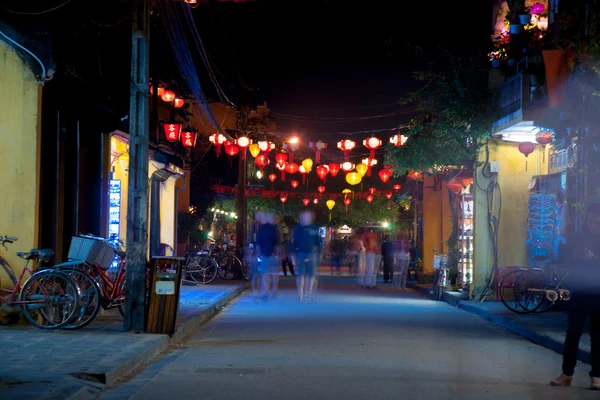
<point>229,267</point>
<point>437,287</point>
<point>202,269</point>
<point>530,291</point>
<point>508,297</point>
<point>89,299</point>
<point>52,298</point>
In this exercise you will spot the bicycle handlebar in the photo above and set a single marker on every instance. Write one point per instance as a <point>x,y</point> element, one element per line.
<point>7,239</point>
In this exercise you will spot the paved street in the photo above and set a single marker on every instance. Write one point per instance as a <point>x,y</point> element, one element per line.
<point>352,344</point>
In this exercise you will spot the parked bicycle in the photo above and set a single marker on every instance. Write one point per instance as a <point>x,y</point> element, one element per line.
<point>200,267</point>
<point>230,267</point>
<point>48,298</point>
<point>440,277</point>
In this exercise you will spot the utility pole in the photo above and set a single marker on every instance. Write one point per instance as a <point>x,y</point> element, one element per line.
<point>137,211</point>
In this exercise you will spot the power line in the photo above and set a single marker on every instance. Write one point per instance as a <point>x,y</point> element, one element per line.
<point>119,22</point>
<point>340,120</point>
<point>37,12</point>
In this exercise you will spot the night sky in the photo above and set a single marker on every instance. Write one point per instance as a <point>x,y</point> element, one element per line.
<point>330,59</point>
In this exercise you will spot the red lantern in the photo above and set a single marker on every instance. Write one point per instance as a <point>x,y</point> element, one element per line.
<point>282,169</point>
<point>347,201</point>
<point>217,140</point>
<point>272,177</point>
<point>322,172</point>
<point>346,146</point>
<point>281,158</point>
<point>306,202</point>
<point>544,137</point>
<point>283,197</point>
<point>526,148</point>
<point>172,131</point>
<point>262,160</point>
<point>321,189</point>
<point>372,144</point>
<point>265,146</point>
<point>178,103</point>
<point>372,190</point>
<point>454,186</point>
<point>370,198</point>
<point>384,175</point>
<point>291,168</point>
<point>464,177</point>
<point>317,147</point>
<point>397,187</point>
<point>294,184</point>
<point>398,140</point>
<point>334,168</point>
<point>243,142</point>
<point>231,150</point>
<point>315,200</point>
<point>188,138</point>
<point>168,96</point>
<point>388,195</point>
<point>414,175</point>
<point>303,172</point>
<point>347,166</point>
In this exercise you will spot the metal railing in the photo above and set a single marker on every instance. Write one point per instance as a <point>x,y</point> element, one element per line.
<point>511,96</point>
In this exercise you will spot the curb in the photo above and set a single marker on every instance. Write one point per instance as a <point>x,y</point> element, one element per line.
<point>90,390</point>
<point>533,336</point>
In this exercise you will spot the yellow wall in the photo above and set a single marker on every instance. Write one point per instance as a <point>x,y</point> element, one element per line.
<point>437,221</point>
<point>513,181</point>
<point>19,155</point>
<point>167,211</point>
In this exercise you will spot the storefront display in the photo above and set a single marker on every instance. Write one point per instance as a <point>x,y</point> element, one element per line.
<point>465,241</point>
<point>114,216</point>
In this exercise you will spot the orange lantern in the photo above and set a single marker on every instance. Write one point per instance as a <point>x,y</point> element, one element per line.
<point>322,172</point>
<point>414,175</point>
<point>321,189</point>
<point>272,178</point>
<point>294,184</point>
<point>306,202</point>
<point>168,96</point>
<point>346,146</point>
<point>334,168</point>
<point>217,140</point>
<point>454,186</point>
<point>243,142</point>
<point>188,138</point>
<point>464,177</point>
<point>317,147</point>
<point>398,140</point>
<point>178,103</point>
<point>384,175</point>
<point>172,131</point>
<point>262,160</point>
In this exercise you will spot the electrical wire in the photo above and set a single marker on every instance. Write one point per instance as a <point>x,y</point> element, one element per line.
<point>36,58</point>
<point>321,134</point>
<point>295,118</point>
<point>119,22</point>
<point>37,12</point>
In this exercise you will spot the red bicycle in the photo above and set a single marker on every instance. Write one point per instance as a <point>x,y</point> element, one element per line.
<point>48,298</point>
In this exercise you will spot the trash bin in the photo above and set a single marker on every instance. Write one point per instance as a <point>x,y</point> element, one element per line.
<point>163,297</point>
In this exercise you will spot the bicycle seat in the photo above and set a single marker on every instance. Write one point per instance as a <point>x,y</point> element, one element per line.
<point>37,254</point>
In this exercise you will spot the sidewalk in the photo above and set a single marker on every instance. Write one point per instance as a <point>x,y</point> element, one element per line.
<point>78,364</point>
<point>546,329</point>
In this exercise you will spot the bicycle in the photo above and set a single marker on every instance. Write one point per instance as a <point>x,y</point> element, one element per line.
<point>230,267</point>
<point>200,267</point>
<point>54,294</point>
<point>440,277</point>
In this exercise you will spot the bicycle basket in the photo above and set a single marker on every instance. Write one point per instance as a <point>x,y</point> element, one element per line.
<point>438,261</point>
<point>91,251</point>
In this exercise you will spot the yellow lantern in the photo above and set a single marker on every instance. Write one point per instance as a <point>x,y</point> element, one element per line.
<point>330,204</point>
<point>254,150</point>
<point>346,191</point>
<point>353,178</point>
<point>362,169</point>
<point>307,164</point>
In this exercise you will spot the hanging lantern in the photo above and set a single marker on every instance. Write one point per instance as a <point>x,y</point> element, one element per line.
<point>292,146</point>
<point>282,169</point>
<point>254,150</point>
<point>346,192</point>
<point>266,146</point>
<point>526,148</point>
<point>178,103</point>
<point>168,96</point>
<point>294,183</point>
<point>172,131</point>
<point>372,144</point>
<point>347,166</point>
<point>353,178</point>
<point>362,169</point>
<point>334,168</point>
<point>414,175</point>
<point>272,178</point>
<point>384,175</point>
<point>398,140</point>
<point>231,150</point>
<point>454,186</point>
<point>262,160</point>
<point>161,89</point>
<point>322,172</point>
<point>243,142</point>
<point>217,140</point>
<point>306,202</point>
<point>544,137</point>
<point>369,198</point>
<point>397,187</point>
<point>317,147</point>
<point>330,204</point>
<point>315,200</point>
<point>283,198</point>
<point>291,168</point>
<point>321,189</point>
<point>369,161</point>
<point>372,190</point>
<point>281,158</point>
<point>302,171</point>
<point>464,177</point>
<point>188,138</point>
<point>346,146</point>
<point>389,195</point>
<point>347,202</point>
<point>307,163</point>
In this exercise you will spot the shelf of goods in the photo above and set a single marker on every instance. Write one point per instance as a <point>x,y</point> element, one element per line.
<point>465,241</point>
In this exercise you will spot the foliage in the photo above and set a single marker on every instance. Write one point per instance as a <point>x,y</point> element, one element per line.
<point>188,227</point>
<point>454,112</point>
<point>201,193</point>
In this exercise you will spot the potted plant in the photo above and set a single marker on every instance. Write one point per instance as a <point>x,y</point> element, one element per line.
<point>497,56</point>
<point>514,23</point>
<point>525,17</point>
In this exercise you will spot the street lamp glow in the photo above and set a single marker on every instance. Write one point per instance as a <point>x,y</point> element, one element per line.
<point>385,224</point>
<point>212,209</point>
<point>294,140</point>
<point>259,174</point>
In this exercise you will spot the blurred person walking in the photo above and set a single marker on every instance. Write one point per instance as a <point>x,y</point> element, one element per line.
<point>401,262</point>
<point>307,247</point>
<point>372,251</point>
<point>266,243</point>
<point>354,253</point>
<point>336,250</point>
<point>287,254</point>
<point>387,253</point>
